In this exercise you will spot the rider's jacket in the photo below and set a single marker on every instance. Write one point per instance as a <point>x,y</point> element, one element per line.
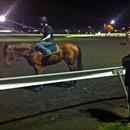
<point>46,31</point>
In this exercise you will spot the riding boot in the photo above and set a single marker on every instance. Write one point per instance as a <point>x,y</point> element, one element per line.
<point>48,52</point>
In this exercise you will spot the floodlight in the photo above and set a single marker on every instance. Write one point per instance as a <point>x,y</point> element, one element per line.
<point>2,18</point>
<point>112,22</point>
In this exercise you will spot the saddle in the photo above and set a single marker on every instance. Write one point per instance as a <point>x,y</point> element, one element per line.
<point>54,48</point>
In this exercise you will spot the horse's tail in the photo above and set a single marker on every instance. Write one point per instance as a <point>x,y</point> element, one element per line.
<point>79,61</point>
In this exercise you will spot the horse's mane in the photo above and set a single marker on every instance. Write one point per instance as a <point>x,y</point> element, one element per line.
<point>20,46</point>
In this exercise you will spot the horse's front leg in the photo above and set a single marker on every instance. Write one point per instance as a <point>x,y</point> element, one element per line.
<point>38,70</point>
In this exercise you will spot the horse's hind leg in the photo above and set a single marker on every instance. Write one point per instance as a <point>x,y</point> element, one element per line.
<point>72,67</point>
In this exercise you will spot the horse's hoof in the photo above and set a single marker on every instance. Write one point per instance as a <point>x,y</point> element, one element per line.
<point>39,88</point>
<point>73,83</point>
<point>69,88</point>
<point>36,89</point>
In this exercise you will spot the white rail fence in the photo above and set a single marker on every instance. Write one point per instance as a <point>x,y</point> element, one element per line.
<point>26,81</point>
<point>68,35</point>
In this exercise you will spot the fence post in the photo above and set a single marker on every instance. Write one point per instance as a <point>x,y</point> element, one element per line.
<point>127,92</point>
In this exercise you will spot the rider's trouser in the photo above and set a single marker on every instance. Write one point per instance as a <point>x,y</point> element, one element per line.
<point>41,46</point>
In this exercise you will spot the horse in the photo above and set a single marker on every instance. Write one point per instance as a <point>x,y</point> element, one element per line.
<point>69,52</point>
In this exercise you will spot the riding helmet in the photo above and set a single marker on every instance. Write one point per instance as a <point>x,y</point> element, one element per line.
<point>44,19</point>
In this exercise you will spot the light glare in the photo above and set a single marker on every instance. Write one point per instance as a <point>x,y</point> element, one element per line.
<point>112,22</point>
<point>2,18</point>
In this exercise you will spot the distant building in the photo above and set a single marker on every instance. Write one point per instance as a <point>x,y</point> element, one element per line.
<point>108,28</point>
<point>90,30</point>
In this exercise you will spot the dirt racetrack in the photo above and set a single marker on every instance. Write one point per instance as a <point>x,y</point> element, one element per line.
<point>85,106</point>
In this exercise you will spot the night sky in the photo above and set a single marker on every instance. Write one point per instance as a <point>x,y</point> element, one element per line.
<point>64,13</point>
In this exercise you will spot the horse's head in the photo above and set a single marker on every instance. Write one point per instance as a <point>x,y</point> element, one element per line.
<point>12,51</point>
<point>8,56</point>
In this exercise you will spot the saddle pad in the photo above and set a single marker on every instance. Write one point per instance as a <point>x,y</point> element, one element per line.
<point>53,48</point>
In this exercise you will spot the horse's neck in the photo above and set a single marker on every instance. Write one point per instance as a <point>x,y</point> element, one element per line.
<point>23,49</point>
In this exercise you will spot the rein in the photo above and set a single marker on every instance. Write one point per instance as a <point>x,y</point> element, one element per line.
<point>31,51</point>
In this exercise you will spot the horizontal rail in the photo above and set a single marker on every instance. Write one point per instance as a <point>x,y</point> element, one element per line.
<point>26,81</point>
<point>68,35</point>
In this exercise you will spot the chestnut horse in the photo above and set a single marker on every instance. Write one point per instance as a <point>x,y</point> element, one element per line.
<point>69,52</point>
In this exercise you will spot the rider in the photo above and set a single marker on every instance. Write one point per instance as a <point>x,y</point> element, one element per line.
<point>47,32</point>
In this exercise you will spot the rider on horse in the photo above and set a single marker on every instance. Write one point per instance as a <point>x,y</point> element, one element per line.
<point>47,32</point>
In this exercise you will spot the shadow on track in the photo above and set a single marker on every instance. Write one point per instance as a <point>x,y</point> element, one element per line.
<point>104,115</point>
<point>94,112</point>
